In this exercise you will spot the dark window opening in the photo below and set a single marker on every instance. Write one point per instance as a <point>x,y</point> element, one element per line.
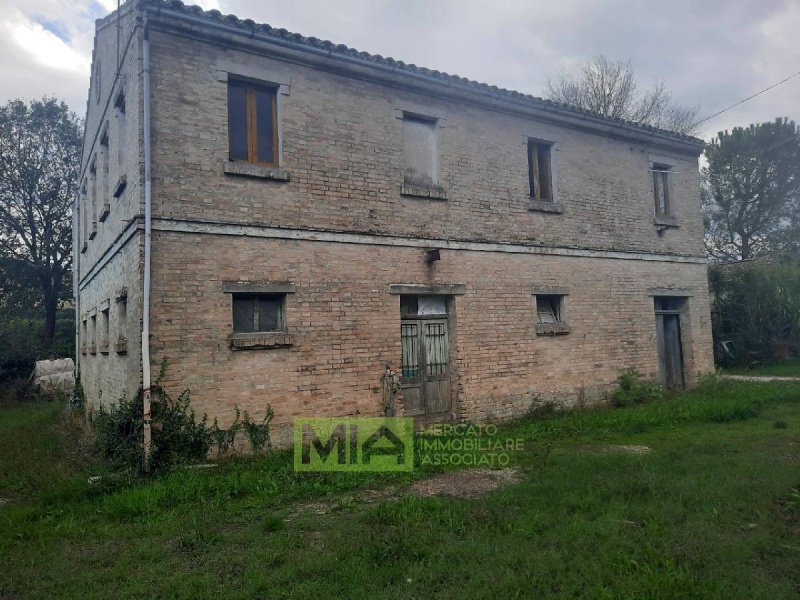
<point>549,309</point>
<point>252,123</point>
<point>416,306</point>
<point>540,172</point>
<point>119,102</point>
<point>254,313</point>
<point>669,303</point>
<point>661,189</point>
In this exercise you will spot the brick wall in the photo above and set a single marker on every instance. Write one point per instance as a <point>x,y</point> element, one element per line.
<point>342,146</point>
<point>345,324</point>
<point>113,258</point>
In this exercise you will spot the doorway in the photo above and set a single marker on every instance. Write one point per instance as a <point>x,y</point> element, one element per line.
<point>425,358</point>
<point>670,348</point>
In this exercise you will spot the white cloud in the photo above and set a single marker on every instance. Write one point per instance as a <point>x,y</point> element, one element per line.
<point>44,47</point>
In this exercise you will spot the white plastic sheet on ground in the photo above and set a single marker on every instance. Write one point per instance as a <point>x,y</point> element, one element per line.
<point>55,376</point>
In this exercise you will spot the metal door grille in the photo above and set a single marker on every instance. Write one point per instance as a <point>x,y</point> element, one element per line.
<point>436,348</point>
<point>410,353</point>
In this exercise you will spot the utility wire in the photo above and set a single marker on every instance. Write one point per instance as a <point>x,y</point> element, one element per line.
<point>726,109</point>
<point>766,89</point>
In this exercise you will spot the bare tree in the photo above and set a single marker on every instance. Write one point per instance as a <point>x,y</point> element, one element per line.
<point>609,88</point>
<point>39,155</point>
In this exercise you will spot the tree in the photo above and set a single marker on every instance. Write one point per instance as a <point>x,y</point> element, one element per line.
<point>40,145</point>
<point>609,88</point>
<point>751,195</point>
<point>19,290</point>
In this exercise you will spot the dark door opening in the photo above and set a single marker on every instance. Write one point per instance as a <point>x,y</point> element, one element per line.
<point>670,349</point>
<point>425,358</point>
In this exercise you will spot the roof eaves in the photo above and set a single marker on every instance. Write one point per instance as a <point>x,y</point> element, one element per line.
<point>451,80</point>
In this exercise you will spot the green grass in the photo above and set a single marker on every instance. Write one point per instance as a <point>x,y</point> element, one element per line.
<point>788,368</point>
<point>713,511</point>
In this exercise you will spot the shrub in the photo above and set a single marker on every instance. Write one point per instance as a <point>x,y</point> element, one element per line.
<point>177,436</point>
<point>224,439</point>
<point>633,390</point>
<point>756,306</point>
<point>258,433</point>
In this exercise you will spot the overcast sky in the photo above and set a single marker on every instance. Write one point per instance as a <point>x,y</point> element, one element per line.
<point>710,53</point>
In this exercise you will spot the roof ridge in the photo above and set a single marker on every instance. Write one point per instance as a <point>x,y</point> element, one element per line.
<point>342,49</point>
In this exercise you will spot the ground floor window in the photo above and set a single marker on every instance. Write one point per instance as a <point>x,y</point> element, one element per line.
<point>254,313</point>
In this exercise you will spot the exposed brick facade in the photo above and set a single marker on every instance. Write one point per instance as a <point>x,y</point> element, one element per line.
<point>342,233</point>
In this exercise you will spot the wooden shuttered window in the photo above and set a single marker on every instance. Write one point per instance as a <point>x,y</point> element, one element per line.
<point>540,171</point>
<point>661,189</point>
<point>252,123</point>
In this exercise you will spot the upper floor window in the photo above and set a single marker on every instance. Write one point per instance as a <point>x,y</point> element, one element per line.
<point>420,151</point>
<point>540,171</point>
<point>661,189</point>
<point>550,308</point>
<point>252,123</point>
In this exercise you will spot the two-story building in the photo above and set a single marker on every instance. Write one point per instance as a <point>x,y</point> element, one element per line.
<point>279,218</point>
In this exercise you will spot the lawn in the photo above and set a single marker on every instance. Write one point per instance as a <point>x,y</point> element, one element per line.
<point>788,368</point>
<point>713,510</point>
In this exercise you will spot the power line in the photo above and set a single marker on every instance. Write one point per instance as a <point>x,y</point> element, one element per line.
<point>766,89</point>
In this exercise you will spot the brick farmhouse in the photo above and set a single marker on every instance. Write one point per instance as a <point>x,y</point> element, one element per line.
<point>280,219</point>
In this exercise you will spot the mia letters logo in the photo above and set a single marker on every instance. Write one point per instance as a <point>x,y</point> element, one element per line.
<point>354,444</point>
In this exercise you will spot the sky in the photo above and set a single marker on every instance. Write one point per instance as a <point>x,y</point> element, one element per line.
<point>709,53</point>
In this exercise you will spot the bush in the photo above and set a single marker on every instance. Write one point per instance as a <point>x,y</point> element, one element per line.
<point>177,436</point>
<point>633,390</point>
<point>757,307</point>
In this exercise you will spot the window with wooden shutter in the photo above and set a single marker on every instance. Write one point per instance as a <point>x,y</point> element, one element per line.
<point>540,171</point>
<point>252,123</point>
<point>661,189</point>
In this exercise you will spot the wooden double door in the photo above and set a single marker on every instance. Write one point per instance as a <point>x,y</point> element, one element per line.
<point>425,368</point>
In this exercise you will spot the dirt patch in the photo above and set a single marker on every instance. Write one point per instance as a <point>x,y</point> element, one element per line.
<point>466,483</point>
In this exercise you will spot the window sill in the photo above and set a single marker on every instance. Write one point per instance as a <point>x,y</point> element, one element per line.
<point>552,329</point>
<point>258,171</point>
<point>260,340</point>
<point>665,221</point>
<point>121,347</point>
<point>421,191</point>
<point>545,206</point>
